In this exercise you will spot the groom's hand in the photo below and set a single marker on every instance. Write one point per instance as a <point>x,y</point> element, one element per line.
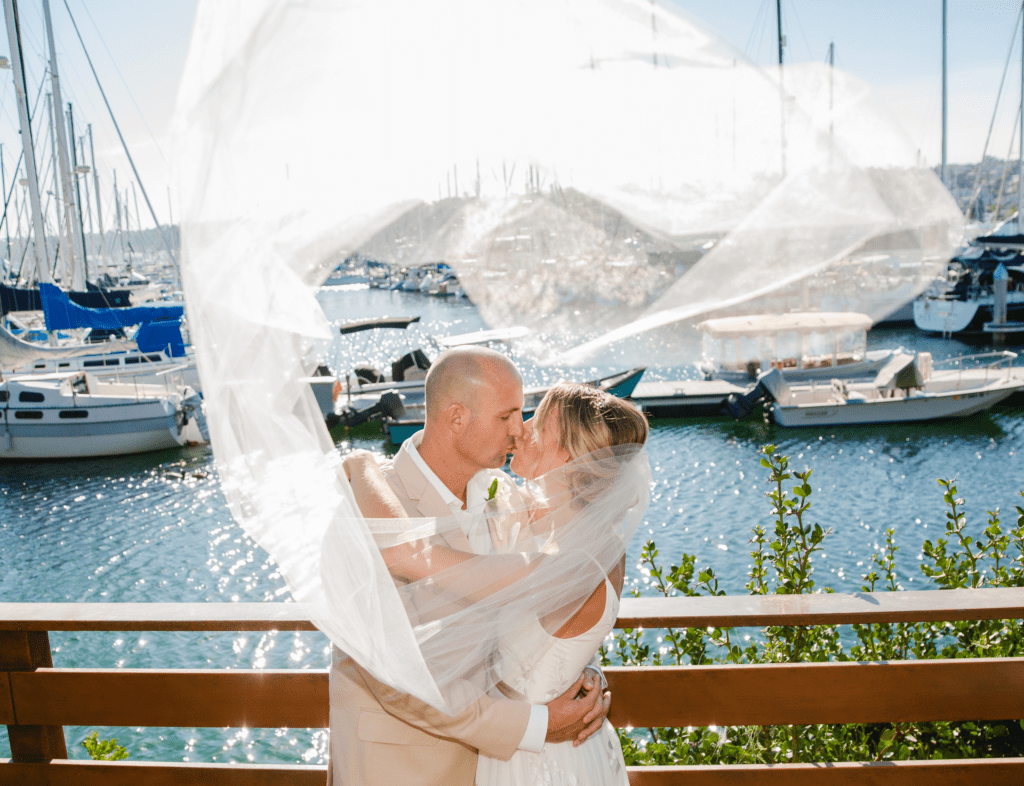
<point>572,718</point>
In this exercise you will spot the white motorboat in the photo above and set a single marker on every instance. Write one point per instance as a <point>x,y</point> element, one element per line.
<point>801,345</point>
<point>904,391</point>
<point>76,415</point>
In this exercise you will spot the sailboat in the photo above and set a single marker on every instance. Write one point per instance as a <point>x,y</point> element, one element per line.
<point>20,295</point>
<point>982,293</point>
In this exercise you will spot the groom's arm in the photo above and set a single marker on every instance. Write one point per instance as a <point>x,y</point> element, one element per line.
<point>498,727</point>
<point>494,726</point>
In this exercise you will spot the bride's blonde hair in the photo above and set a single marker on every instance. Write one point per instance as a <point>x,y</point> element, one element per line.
<point>590,419</point>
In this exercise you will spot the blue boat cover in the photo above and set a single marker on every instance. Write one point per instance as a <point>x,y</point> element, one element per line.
<point>62,314</point>
<point>163,335</point>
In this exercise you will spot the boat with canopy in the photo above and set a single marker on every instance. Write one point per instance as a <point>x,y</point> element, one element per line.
<point>803,345</point>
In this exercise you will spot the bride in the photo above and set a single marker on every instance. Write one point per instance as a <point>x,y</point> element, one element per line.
<point>560,532</point>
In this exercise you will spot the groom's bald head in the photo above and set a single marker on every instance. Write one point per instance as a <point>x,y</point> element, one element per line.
<point>474,414</point>
<point>464,374</point>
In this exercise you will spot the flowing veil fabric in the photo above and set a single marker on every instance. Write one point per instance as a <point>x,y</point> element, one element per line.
<point>615,131</point>
<point>277,188</point>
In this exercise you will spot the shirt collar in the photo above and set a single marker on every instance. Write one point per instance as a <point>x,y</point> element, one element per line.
<point>449,498</point>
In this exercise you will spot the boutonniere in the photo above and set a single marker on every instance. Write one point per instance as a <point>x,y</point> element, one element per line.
<point>492,491</point>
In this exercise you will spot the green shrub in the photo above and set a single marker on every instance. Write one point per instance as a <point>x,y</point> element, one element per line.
<point>782,564</point>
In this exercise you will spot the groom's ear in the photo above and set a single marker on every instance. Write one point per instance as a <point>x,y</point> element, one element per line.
<point>457,418</point>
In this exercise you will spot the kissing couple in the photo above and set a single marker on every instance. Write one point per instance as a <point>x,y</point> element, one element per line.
<point>510,588</point>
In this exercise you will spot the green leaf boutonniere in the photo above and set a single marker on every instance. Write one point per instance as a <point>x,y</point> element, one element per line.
<point>492,490</point>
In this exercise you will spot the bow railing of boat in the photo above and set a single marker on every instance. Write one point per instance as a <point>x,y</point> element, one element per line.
<point>998,363</point>
<point>40,698</point>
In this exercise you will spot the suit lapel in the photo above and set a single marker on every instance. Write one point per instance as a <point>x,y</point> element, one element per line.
<point>424,499</point>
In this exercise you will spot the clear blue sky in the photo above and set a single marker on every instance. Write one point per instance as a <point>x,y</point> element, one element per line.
<point>895,46</point>
<point>139,49</point>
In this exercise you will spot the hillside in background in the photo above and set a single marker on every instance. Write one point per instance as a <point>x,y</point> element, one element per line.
<point>990,186</point>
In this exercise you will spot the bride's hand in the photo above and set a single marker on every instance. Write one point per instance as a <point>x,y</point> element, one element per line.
<point>358,460</point>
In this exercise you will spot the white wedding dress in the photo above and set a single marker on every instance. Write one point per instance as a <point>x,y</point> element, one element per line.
<point>596,762</point>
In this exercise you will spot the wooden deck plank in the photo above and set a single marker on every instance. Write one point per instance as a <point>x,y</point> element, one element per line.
<point>806,693</point>
<point>967,772</point>
<point>964,772</point>
<point>153,697</point>
<point>22,652</point>
<point>154,616</point>
<point>962,689</point>
<point>831,609</point>
<point>6,701</point>
<point>725,611</point>
<point>129,773</point>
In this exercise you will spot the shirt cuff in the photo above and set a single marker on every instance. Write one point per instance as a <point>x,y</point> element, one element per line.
<point>600,673</point>
<point>536,729</point>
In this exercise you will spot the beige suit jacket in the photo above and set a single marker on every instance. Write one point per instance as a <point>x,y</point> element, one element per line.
<point>380,737</point>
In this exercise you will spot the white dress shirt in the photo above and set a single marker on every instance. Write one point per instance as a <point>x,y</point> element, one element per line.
<point>475,527</point>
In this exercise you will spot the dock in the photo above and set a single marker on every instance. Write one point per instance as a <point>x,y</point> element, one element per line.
<point>683,398</point>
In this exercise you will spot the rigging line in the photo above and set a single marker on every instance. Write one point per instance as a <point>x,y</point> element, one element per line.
<point>977,175</point>
<point>799,24</point>
<point>116,68</point>
<point>131,161</point>
<point>754,33</point>
<point>1006,163</point>
<point>69,83</point>
<point>10,193</point>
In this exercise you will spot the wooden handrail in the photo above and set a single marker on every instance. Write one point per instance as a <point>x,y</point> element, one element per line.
<point>786,693</point>
<point>964,772</point>
<point>39,699</point>
<point>703,611</point>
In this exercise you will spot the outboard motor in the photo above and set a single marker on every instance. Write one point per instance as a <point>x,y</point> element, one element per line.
<point>192,406</point>
<point>389,406</point>
<point>739,406</point>
<point>367,375</point>
<point>411,366</point>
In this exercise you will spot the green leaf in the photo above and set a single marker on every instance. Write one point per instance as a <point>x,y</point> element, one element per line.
<point>104,750</point>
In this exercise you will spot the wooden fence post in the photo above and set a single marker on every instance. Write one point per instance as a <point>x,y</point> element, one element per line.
<point>28,651</point>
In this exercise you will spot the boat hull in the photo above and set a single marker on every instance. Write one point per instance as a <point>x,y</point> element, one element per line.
<point>683,398</point>
<point>908,409</point>
<point>42,419</point>
<point>937,315</point>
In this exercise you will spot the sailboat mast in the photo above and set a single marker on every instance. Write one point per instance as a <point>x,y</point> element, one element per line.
<point>945,96</point>
<point>99,201</point>
<point>70,226</point>
<point>78,193</point>
<point>782,89</point>
<point>14,38</point>
<point>831,118</point>
<point>7,218</point>
<point>63,242</point>
<point>778,28</point>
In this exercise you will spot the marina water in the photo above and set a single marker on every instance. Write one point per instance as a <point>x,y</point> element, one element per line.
<point>154,528</point>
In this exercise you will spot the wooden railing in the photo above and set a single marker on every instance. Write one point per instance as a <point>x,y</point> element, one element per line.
<point>37,700</point>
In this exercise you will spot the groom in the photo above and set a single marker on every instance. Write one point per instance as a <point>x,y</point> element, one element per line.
<point>474,401</point>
